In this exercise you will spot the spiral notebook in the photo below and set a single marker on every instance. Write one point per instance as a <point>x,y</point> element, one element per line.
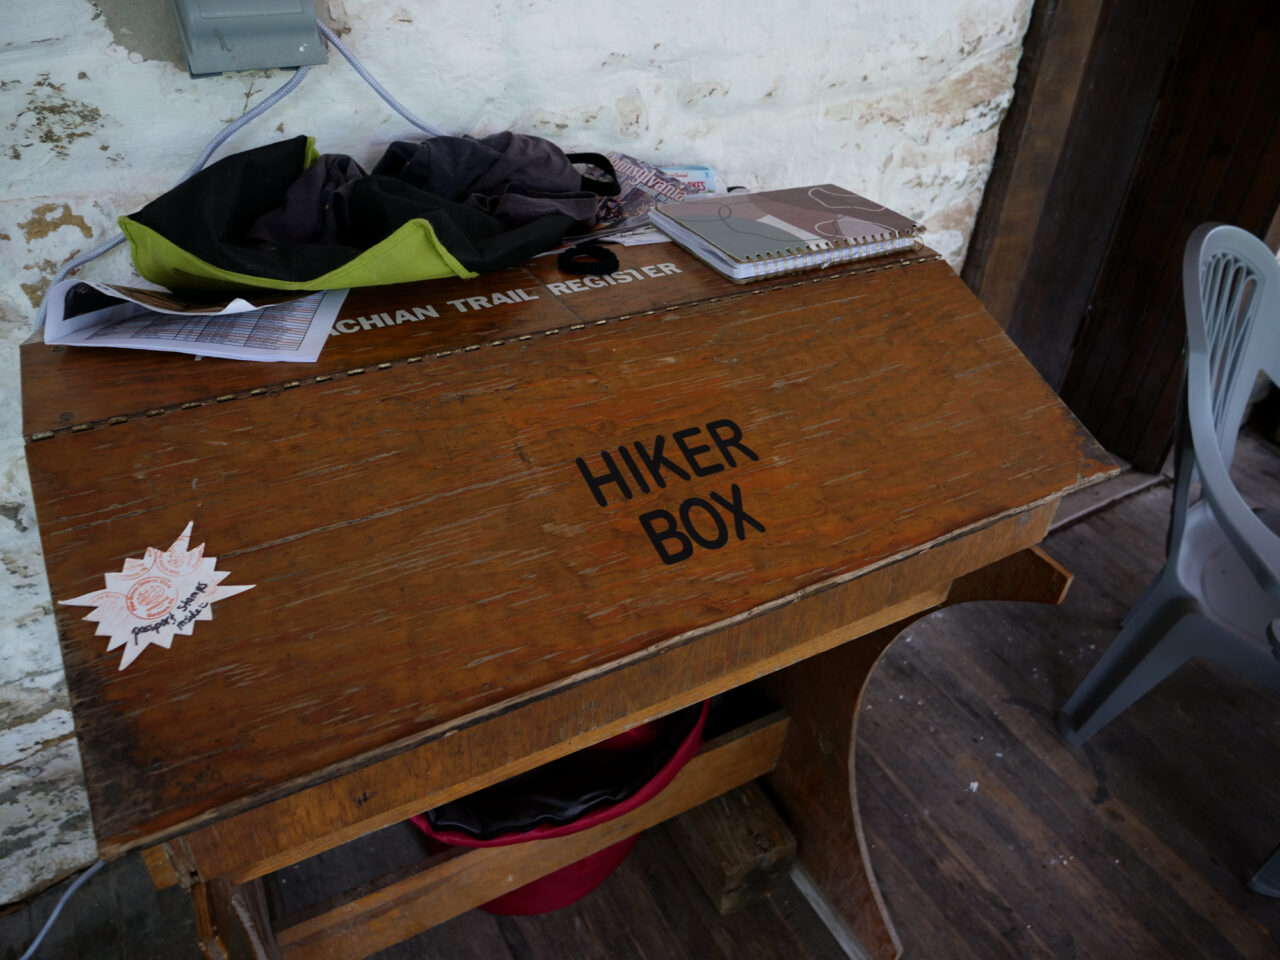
<point>752,236</point>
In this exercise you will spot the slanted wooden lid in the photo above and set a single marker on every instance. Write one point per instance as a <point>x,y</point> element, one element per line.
<point>487,488</point>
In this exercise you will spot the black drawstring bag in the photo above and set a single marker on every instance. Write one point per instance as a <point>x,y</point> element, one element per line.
<point>284,217</point>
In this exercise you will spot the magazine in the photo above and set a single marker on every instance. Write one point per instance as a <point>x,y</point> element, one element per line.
<point>273,326</point>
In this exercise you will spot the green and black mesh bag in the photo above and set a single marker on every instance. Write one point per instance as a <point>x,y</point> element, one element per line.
<point>285,217</point>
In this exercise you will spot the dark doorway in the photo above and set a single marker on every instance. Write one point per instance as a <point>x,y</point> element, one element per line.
<point>1133,122</point>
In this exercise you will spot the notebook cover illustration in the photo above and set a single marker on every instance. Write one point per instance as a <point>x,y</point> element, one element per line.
<point>751,226</point>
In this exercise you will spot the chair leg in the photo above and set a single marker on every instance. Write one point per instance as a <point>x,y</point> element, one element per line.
<point>1149,595</point>
<point>1146,651</point>
<point>1267,880</point>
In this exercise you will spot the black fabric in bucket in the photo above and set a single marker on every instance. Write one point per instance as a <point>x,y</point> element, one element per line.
<point>564,790</point>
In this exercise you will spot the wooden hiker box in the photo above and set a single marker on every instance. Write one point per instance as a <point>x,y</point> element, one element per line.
<point>504,518</point>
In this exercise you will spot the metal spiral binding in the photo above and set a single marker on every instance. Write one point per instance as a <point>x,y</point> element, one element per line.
<point>794,260</point>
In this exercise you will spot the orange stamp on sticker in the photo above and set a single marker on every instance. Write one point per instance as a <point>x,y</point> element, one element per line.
<point>156,597</point>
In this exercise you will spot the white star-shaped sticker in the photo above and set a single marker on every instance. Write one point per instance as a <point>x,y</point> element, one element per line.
<point>154,598</point>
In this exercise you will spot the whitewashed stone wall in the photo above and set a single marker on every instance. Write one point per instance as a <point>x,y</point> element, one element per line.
<point>901,101</point>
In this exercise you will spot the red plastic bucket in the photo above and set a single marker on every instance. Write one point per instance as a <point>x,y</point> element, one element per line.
<point>562,887</point>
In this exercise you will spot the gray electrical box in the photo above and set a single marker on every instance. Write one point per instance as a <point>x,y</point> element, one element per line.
<point>223,35</point>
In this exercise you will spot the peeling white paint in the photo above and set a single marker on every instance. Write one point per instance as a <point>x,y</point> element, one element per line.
<point>26,739</point>
<point>901,101</point>
<point>44,821</point>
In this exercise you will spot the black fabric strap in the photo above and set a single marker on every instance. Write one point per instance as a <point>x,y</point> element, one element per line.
<point>601,188</point>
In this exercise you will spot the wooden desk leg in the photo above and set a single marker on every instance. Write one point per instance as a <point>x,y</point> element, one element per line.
<point>813,782</point>
<point>212,905</point>
<point>218,905</point>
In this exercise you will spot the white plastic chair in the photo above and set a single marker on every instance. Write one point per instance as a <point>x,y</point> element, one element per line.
<point>1267,879</point>
<point>1218,595</point>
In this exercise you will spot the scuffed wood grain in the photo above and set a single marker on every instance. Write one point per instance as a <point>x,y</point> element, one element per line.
<point>429,555</point>
<point>382,327</point>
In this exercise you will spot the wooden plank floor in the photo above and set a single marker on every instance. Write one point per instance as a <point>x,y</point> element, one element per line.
<point>650,908</point>
<point>991,837</point>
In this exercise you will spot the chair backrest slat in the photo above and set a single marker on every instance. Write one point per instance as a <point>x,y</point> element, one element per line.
<point>1239,283</point>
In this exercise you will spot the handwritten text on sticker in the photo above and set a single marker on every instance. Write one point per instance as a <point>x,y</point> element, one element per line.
<point>156,597</point>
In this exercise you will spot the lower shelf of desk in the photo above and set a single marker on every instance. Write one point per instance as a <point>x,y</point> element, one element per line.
<point>394,907</point>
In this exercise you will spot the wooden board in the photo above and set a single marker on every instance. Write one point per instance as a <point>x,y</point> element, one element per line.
<point>428,553</point>
<point>1082,190</point>
<point>736,845</point>
<point>453,760</point>
<point>67,389</point>
<point>1055,55</point>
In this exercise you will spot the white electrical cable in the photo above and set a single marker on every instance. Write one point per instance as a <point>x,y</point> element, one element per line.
<point>298,76</point>
<point>48,924</point>
<point>227,132</point>
<point>360,68</point>
<point>114,242</point>
<point>235,125</point>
